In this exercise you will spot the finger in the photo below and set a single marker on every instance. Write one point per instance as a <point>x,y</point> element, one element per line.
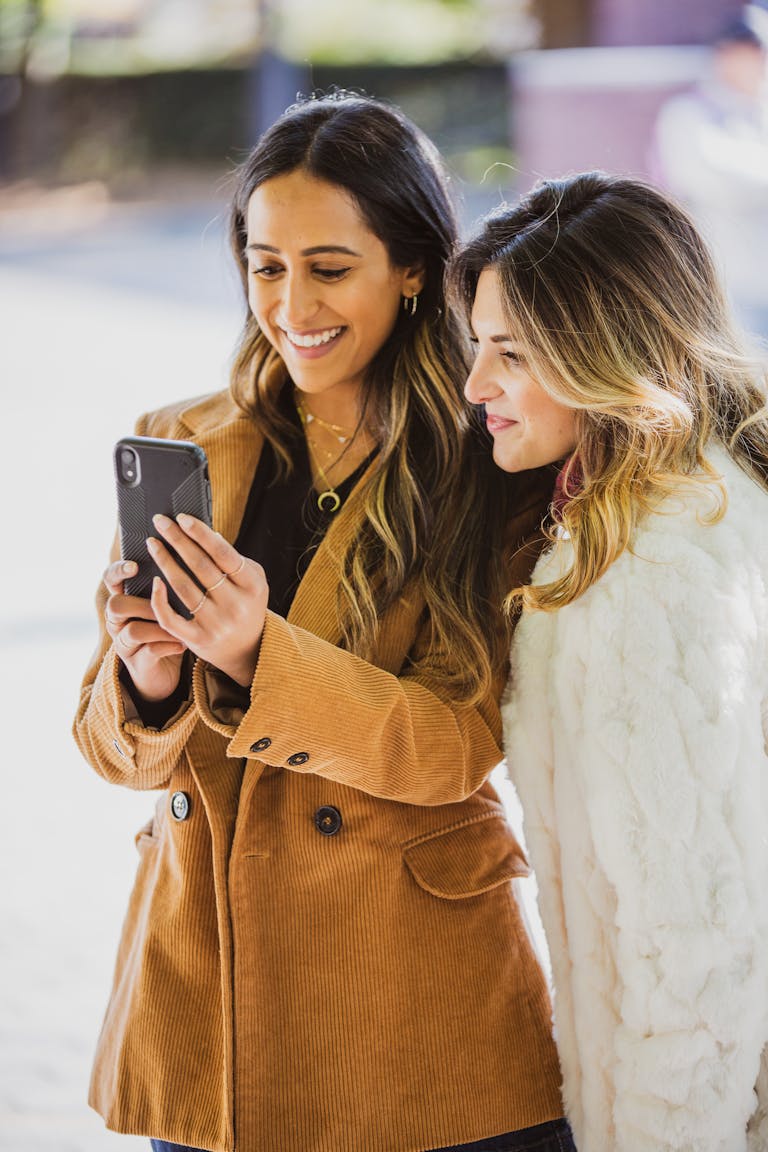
<point>225,557</point>
<point>158,651</point>
<point>123,644</point>
<point>120,608</point>
<point>139,633</point>
<point>167,648</point>
<point>191,552</point>
<point>168,619</point>
<point>116,573</point>
<point>186,588</point>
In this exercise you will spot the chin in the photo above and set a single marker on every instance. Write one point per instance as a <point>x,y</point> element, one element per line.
<point>506,464</point>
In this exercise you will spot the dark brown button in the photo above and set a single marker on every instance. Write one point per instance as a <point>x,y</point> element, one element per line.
<point>297,759</point>
<point>328,820</point>
<point>261,745</point>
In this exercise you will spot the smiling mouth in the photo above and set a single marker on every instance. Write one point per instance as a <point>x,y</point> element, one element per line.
<point>311,339</point>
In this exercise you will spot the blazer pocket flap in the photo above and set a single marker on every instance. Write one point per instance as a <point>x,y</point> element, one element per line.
<point>467,859</point>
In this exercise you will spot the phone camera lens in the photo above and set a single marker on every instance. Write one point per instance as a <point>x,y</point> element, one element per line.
<point>128,464</point>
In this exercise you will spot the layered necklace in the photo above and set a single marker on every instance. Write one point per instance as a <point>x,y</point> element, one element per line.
<point>324,461</point>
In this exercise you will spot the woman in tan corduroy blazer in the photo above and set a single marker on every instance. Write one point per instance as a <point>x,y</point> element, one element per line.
<point>323,950</point>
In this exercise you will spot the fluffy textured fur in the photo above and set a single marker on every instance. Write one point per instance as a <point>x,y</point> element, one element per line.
<point>636,726</point>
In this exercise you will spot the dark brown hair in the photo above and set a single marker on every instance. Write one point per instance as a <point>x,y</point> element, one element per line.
<point>418,521</point>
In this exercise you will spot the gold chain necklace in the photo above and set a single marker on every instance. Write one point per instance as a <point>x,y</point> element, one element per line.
<point>329,495</point>
<point>343,435</point>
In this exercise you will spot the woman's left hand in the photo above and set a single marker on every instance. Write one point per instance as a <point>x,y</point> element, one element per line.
<point>228,618</point>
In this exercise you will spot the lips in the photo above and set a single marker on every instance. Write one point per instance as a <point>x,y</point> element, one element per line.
<point>498,423</point>
<point>316,339</point>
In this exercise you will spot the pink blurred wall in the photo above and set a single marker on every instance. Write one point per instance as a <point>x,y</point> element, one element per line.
<point>595,107</point>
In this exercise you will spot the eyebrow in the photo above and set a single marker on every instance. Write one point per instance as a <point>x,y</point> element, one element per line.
<point>318,248</point>
<point>500,339</point>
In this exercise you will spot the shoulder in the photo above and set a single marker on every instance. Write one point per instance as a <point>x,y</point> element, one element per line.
<point>685,586</point>
<point>678,550</point>
<point>192,417</point>
<point>676,547</point>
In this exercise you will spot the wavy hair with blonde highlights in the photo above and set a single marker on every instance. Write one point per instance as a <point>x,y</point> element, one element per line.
<point>612,295</point>
<point>418,521</point>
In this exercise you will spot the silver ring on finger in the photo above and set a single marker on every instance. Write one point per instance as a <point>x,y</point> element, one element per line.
<point>121,641</point>
<point>239,568</point>
<point>218,583</point>
<point>196,609</point>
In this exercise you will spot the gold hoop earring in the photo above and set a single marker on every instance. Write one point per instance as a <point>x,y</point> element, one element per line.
<point>410,304</point>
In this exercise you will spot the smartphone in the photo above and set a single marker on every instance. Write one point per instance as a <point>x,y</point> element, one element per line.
<point>154,475</point>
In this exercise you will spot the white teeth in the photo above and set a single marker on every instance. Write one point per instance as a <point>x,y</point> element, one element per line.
<point>312,340</point>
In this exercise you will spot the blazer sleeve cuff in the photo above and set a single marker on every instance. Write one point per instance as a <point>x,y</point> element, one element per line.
<point>317,708</point>
<point>126,751</point>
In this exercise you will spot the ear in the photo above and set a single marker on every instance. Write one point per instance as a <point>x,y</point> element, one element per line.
<point>412,280</point>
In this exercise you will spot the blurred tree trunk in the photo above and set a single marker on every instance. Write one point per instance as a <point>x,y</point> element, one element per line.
<point>564,23</point>
<point>13,83</point>
<point>274,82</point>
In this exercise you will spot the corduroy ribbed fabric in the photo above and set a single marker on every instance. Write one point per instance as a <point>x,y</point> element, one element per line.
<point>278,988</point>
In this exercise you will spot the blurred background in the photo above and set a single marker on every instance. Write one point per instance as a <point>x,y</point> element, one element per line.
<point>121,122</point>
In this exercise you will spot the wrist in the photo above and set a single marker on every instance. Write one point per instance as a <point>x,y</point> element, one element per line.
<point>244,670</point>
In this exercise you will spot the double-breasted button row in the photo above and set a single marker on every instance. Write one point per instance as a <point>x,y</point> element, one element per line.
<point>327,819</point>
<point>294,761</point>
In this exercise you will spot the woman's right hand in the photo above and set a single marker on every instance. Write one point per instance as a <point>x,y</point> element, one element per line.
<point>152,656</point>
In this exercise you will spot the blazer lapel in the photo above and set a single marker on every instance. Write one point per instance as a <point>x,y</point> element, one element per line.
<point>315,605</point>
<point>233,444</point>
<point>233,448</point>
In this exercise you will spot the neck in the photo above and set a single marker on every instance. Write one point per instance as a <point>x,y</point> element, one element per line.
<point>340,405</point>
<point>335,450</point>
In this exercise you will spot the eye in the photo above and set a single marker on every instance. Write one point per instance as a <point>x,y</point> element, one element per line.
<point>513,357</point>
<point>266,271</point>
<point>331,273</point>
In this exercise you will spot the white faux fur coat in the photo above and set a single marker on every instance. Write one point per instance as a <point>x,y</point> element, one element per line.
<point>636,726</point>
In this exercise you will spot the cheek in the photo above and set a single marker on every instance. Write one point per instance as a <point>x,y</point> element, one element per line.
<point>375,322</point>
<point>253,298</point>
<point>568,428</point>
<point>262,311</point>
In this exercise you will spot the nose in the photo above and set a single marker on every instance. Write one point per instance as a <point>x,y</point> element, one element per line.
<point>299,303</point>
<point>481,386</point>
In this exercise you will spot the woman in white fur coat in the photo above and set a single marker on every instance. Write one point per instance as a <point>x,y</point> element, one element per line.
<point>637,717</point>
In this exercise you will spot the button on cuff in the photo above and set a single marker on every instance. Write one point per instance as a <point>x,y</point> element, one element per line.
<point>297,759</point>
<point>261,745</point>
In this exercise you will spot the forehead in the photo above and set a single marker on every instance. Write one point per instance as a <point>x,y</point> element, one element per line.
<point>487,308</point>
<point>301,210</point>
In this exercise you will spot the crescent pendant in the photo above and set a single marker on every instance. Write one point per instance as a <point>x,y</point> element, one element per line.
<point>334,499</point>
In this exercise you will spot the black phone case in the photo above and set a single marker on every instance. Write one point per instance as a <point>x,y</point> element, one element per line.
<point>172,477</point>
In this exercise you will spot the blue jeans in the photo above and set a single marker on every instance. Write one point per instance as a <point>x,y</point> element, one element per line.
<point>555,1136</point>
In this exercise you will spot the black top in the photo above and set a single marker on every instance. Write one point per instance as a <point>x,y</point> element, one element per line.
<point>282,524</point>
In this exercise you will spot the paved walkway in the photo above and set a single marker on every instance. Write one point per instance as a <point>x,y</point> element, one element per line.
<point>104,313</point>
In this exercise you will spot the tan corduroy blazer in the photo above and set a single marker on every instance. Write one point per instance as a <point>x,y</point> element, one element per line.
<point>325,953</point>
